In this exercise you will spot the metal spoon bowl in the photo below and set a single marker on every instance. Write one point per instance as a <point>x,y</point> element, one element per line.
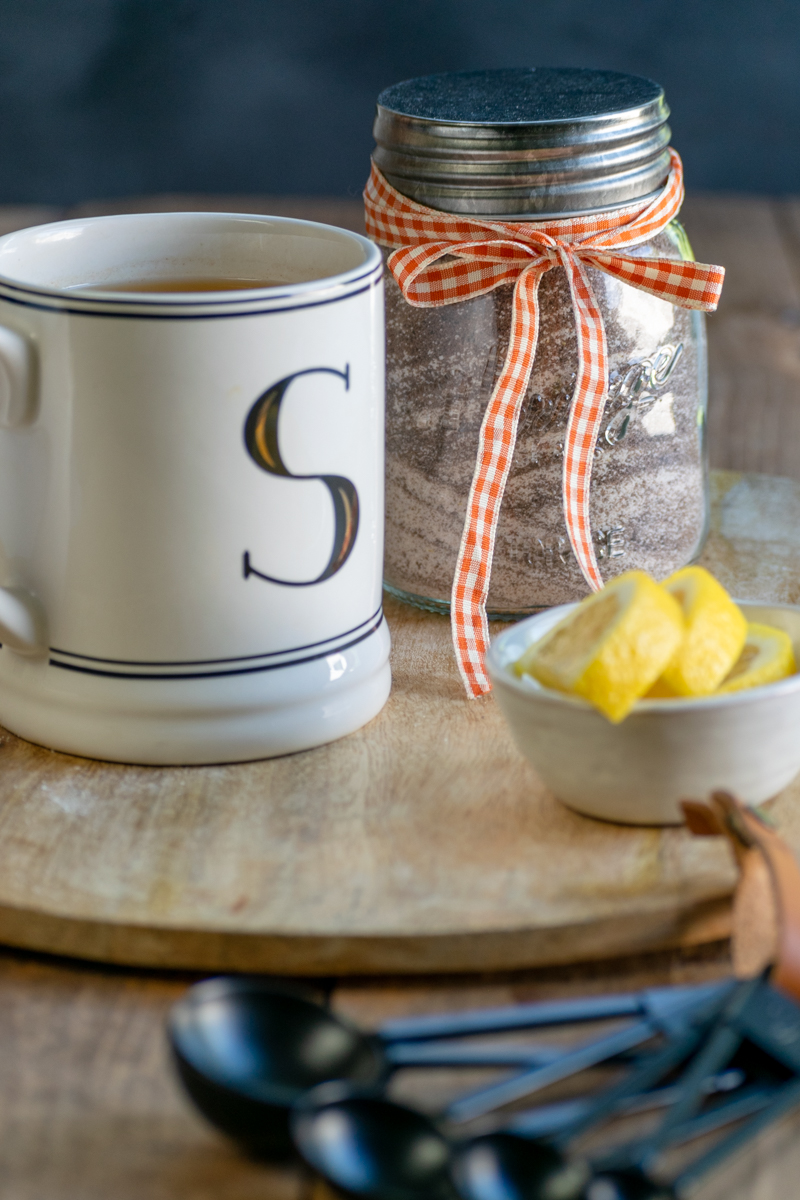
<point>372,1148</point>
<point>367,1146</point>
<point>506,1166</point>
<point>245,1054</point>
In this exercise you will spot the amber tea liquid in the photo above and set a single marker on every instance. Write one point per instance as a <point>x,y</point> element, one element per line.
<point>202,284</point>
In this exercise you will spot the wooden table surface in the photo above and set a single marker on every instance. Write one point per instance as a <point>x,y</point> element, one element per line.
<point>89,1108</point>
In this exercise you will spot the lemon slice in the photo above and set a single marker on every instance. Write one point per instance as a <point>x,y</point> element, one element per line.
<point>767,656</point>
<point>612,647</point>
<point>715,633</point>
<point>660,691</point>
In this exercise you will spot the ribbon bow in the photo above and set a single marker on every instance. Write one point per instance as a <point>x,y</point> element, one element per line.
<point>482,255</point>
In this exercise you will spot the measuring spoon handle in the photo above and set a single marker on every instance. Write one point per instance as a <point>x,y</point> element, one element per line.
<point>786,1098</point>
<point>589,1054</point>
<point>660,1002</point>
<point>448,1054</point>
<point>516,1016</point>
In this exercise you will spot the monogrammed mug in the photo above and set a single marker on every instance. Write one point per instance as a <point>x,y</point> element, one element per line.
<point>191,487</point>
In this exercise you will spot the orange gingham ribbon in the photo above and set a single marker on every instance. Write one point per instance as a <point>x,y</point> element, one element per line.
<point>482,255</point>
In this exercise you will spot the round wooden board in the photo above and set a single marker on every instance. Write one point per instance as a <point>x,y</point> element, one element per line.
<point>422,843</point>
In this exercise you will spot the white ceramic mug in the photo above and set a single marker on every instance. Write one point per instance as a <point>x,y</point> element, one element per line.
<point>191,488</point>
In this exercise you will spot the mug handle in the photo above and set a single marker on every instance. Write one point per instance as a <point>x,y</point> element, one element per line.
<point>23,626</point>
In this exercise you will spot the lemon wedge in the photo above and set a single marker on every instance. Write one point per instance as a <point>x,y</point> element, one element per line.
<point>715,632</point>
<point>612,647</point>
<point>767,656</point>
<point>660,691</point>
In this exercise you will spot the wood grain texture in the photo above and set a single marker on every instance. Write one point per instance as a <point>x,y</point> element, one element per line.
<point>89,1106</point>
<point>424,842</point>
<point>330,210</point>
<point>13,217</point>
<point>754,337</point>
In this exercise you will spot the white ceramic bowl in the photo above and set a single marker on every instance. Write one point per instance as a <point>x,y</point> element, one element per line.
<point>747,742</point>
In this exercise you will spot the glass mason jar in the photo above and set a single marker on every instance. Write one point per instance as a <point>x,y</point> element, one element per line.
<point>605,147</point>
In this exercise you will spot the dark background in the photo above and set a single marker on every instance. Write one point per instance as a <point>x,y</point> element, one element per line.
<point>102,98</point>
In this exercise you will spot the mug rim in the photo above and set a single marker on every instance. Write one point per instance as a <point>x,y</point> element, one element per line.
<point>88,300</point>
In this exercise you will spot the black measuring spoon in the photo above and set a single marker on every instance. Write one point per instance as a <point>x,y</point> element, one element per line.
<point>756,1015</point>
<point>369,1147</point>
<point>634,1183</point>
<point>507,1165</point>
<point>501,1166</point>
<point>245,1053</point>
<point>246,1049</point>
<point>676,1013</point>
<point>366,1145</point>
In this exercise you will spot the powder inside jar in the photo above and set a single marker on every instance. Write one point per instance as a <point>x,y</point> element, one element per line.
<point>648,498</point>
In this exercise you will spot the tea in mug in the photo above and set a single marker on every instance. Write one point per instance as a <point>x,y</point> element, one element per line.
<point>200,284</point>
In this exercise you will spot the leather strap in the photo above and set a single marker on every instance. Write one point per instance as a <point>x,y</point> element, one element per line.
<point>762,856</point>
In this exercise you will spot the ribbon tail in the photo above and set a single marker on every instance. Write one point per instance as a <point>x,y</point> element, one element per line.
<point>586,414</point>
<point>683,282</point>
<point>469,626</point>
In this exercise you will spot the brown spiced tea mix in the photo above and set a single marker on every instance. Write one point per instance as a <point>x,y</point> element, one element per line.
<point>648,498</point>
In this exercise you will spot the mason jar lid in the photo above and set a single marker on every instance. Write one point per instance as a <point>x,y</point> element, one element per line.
<point>527,143</point>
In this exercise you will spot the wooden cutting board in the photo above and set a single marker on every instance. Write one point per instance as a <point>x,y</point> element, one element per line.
<point>422,843</point>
